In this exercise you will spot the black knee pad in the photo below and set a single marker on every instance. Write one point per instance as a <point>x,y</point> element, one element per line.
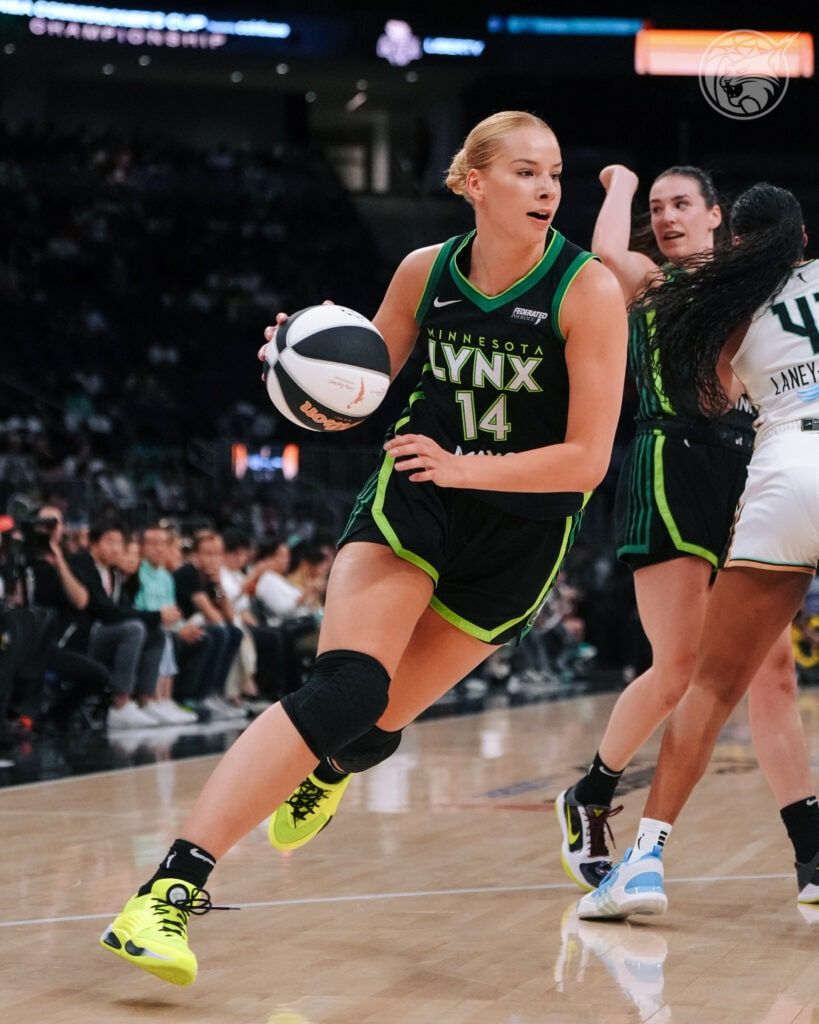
<point>367,751</point>
<point>345,694</point>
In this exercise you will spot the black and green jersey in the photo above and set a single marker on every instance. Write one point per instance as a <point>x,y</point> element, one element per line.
<point>495,380</point>
<point>653,403</point>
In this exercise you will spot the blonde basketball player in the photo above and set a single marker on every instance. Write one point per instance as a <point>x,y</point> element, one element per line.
<point>445,556</point>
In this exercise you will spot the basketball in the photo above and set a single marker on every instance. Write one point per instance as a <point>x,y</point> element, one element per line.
<point>327,368</point>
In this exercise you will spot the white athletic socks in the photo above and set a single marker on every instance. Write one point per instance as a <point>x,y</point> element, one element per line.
<point>650,833</point>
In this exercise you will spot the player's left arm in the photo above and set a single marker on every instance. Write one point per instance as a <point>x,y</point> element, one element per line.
<point>594,323</point>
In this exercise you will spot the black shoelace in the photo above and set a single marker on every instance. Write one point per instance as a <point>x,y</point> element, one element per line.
<point>174,916</point>
<point>305,799</point>
<point>598,827</point>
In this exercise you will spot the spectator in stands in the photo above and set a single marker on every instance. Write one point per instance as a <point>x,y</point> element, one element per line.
<point>241,681</point>
<point>156,591</point>
<point>279,597</point>
<point>128,641</point>
<point>309,571</point>
<point>202,601</point>
<point>56,588</point>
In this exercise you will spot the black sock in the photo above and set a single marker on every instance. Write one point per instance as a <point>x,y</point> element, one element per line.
<point>598,784</point>
<point>326,772</point>
<point>802,822</point>
<point>186,861</point>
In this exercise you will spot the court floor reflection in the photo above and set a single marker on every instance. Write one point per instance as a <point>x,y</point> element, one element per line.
<point>633,955</point>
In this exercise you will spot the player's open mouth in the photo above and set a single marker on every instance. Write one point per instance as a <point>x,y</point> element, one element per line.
<point>539,215</point>
<point>672,236</point>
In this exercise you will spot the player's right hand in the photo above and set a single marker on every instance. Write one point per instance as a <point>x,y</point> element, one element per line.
<point>270,334</point>
<point>270,331</point>
<point>621,173</point>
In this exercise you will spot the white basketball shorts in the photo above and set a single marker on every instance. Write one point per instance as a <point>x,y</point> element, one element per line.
<point>777,521</point>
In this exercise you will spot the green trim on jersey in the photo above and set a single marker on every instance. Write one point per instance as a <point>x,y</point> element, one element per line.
<point>638,527</point>
<point>382,476</point>
<point>488,635</point>
<point>653,401</point>
<point>364,498</point>
<point>432,278</point>
<point>647,492</point>
<point>564,284</point>
<point>488,303</point>
<point>656,369</point>
<point>665,511</point>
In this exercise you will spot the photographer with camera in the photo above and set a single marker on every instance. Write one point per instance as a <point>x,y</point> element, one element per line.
<point>52,585</point>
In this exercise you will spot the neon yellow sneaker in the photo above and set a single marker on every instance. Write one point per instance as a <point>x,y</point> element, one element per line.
<point>308,810</point>
<point>152,930</point>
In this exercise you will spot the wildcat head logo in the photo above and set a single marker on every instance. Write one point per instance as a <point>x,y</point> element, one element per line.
<point>744,74</point>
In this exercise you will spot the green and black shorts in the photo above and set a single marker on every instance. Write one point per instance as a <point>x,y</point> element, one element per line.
<point>492,570</point>
<point>678,491</point>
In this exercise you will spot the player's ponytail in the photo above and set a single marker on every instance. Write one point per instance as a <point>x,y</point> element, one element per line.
<point>483,144</point>
<point>710,295</point>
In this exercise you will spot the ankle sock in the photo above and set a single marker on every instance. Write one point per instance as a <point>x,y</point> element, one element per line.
<point>186,861</point>
<point>598,784</point>
<point>327,772</point>
<point>801,819</point>
<point>650,833</point>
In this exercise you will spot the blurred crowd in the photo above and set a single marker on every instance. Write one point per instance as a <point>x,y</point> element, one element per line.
<point>109,629</point>
<point>175,624</point>
<point>130,269</point>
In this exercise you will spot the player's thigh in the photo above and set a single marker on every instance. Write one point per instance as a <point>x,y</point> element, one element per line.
<point>374,600</point>
<point>671,599</point>
<point>747,614</point>
<point>437,657</point>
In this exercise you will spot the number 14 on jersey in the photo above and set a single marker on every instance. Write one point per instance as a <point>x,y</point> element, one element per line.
<point>492,422</point>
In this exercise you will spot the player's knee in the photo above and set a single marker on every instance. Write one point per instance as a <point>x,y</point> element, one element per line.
<point>375,746</point>
<point>345,694</point>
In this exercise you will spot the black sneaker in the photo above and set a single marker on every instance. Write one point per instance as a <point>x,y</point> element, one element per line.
<point>584,852</point>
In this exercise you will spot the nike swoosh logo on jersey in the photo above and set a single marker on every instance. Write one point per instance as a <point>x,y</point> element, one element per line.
<point>441,302</point>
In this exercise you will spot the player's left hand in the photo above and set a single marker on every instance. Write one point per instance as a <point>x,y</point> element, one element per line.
<point>425,460</point>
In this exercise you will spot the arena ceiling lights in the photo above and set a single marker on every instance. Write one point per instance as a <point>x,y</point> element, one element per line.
<point>537,25</point>
<point>90,23</point>
<point>737,52</point>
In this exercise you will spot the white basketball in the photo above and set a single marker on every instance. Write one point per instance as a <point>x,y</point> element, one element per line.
<point>327,368</point>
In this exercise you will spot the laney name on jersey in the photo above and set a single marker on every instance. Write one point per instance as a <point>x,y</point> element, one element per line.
<point>503,369</point>
<point>795,378</point>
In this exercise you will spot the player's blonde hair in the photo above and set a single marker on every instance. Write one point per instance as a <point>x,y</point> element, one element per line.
<point>483,144</point>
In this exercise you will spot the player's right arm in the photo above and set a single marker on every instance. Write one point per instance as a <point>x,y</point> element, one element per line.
<point>612,231</point>
<point>395,318</point>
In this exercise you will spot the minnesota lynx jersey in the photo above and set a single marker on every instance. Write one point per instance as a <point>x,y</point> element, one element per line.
<point>652,401</point>
<point>495,380</point>
<point>778,360</point>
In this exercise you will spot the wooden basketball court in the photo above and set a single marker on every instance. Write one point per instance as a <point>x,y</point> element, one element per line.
<point>437,895</point>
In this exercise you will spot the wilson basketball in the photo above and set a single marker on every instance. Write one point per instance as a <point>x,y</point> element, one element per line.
<point>327,368</point>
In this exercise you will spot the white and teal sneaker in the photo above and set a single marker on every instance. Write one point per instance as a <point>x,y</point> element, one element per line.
<point>634,886</point>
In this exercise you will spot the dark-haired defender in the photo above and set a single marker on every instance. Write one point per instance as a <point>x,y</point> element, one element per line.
<point>454,544</point>
<point>749,314</point>
<point>676,498</point>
